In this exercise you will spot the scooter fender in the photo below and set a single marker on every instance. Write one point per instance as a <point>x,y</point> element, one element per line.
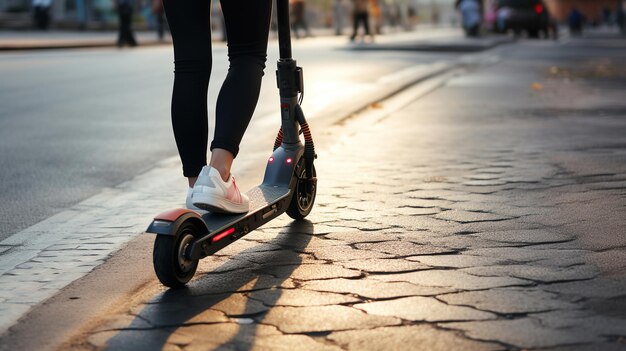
<point>168,222</point>
<point>280,167</point>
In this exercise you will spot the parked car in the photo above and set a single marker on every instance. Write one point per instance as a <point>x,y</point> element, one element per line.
<point>530,16</point>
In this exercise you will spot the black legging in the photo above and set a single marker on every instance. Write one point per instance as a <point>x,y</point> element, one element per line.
<point>125,15</point>
<point>360,17</point>
<point>247,27</point>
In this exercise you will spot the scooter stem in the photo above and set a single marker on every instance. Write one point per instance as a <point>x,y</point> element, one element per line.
<point>284,29</point>
<point>289,79</point>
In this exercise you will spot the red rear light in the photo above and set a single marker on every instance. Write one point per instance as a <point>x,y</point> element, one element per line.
<point>538,8</point>
<point>222,235</point>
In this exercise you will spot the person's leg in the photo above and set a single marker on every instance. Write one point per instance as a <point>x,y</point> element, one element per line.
<point>120,32</point>
<point>189,25</point>
<point>160,26</point>
<point>46,17</point>
<point>355,25</point>
<point>129,28</point>
<point>40,17</point>
<point>125,23</point>
<point>361,21</point>
<point>366,24</point>
<point>247,24</point>
<point>37,17</point>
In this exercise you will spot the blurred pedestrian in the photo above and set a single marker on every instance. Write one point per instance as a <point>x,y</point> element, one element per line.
<point>159,15</point>
<point>360,15</point>
<point>434,16</point>
<point>124,10</point>
<point>41,13</point>
<point>298,15</point>
<point>339,13</point>
<point>217,16</point>
<point>247,27</point>
<point>553,29</point>
<point>620,16</point>
<point>393,16</point>
<point>377,16</point>
<point>575,21</point>
<point>470,11</point>
<point>274,21</point>
<point>412,15</point>
<point>607,16</point>
<point>81,14</point>
<point>502,15</point>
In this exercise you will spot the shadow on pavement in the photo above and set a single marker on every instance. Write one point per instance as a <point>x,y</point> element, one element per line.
<point>161,317</point>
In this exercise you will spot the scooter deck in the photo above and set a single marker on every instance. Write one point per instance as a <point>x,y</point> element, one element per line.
<point>266,203</point>
<point>261,198</point>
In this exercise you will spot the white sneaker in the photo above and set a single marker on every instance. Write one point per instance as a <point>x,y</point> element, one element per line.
<point>188,203</point>
<point>213,194</point>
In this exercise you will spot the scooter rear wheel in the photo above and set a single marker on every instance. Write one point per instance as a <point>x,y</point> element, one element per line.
<point>171,264</point>
<point>304,196</point>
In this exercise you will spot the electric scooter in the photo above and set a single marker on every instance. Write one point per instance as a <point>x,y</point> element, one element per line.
<point>289,185</point>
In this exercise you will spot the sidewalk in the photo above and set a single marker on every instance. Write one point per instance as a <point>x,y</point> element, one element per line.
<point>37,40</point>
<point>425,36</point>
<point>493,222</point>
<point>39,261</point>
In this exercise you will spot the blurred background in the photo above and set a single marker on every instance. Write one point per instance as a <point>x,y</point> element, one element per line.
<point>100,14</point>
<point>319,14</point>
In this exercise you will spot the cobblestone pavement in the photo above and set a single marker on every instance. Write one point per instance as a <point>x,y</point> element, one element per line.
<point>44,258</point>
<point>487,215</point>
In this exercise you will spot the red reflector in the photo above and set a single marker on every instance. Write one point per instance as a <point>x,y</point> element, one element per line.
<point>271,159</point>
<point>538,8</point>
<point>222,235</point>
<point>284,105</point>
<point>289,160</point>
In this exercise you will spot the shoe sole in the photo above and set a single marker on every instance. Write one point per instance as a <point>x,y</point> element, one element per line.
<point>216,204</point>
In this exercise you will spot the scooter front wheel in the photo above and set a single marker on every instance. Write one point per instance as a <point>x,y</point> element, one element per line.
<point>304,195</point>
<point>169,257</point>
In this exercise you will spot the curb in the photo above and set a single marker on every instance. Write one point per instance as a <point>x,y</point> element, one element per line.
<point>80,45</point>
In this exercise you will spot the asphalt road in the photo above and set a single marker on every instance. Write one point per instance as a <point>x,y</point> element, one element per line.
<point>75,122</point>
